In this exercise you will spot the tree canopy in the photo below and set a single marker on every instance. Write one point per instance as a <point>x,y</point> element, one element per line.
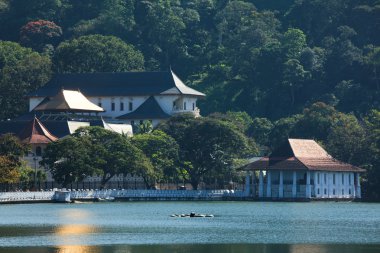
<point>97,53</point>
<point>297,68</point>
<point>208,146</point>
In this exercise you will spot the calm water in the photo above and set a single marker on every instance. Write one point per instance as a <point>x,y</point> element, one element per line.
<point>139,227</point>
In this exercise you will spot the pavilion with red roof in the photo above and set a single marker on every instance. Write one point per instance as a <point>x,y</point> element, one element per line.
<point>302,169</point>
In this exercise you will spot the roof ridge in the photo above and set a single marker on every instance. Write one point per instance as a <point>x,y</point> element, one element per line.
<point>302,162</point>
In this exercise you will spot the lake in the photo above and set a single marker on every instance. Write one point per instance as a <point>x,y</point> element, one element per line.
<point>139,227</point>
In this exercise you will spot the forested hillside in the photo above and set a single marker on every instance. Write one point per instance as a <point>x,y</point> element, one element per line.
<point>299,68</point>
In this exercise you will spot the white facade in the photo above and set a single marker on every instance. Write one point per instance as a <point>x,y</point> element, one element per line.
<point>118,106</point>
<point>293,184</point>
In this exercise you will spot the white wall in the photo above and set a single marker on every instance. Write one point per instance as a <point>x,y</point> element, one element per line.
<point>343,187</point>
<point>166,103</point>
<point>107,101</point>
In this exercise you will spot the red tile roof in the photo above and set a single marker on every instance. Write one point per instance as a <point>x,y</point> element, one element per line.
<point>300,154</point>
<point>36,133</point>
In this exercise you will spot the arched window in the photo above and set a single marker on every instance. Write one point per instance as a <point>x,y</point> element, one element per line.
<point>38,151</point>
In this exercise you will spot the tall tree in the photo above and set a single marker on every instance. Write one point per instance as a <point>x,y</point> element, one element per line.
<point>69,160</point>
<point>162,150</point>
<point>212,148</point>
<point>40,34</point>
<point>21,71</point>
<point>112,153</point>
<point>97,53</point>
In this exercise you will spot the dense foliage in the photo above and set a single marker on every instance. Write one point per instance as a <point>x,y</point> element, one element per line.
<point>270,59</point>
<point>207,147</point>
<point>11,149</point>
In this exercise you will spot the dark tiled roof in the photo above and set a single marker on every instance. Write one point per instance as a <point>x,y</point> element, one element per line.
<point>56,128</point>
<point>280,163</point>
<point>299,154</point>
<point>116,84</point>
<point>13,127</point>
<point>150,109</point>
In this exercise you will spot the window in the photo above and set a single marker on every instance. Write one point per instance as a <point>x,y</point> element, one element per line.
<point>174,106</point>
<point>130,105</point>
<point>333,191</point>
<point>193,106</point>
<point>349,179</point>
<point>342,178</point>
<point>38,151</point>
<point>113,106</point>
<point>349,191</point>
<point>132,122</point>
<point>318,177</point>
<point>121,106</point>
<point>318,191</point>
<point>334,179</point>
<point>325,191</point>
<point>184,106</point>
<point>325,175</point>
<point>100,104</point>
<point>342,191</point>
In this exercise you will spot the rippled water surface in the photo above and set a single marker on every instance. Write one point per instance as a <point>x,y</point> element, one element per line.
<point>148,227</point>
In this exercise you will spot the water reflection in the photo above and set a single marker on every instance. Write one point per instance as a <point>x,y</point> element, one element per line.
<point>78,249</point>
<point>202,248</point>
<point>75,214</point>
<point>74,230</point>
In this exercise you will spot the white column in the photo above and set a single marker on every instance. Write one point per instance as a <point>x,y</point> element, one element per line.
<point>247,184</point>
<point>254,184</point>
<point>339,184</point>
<point>261,184</point>
<point>358,188</point>
<point>315,183</point>
<point>281,185</point>
<point>269,184</point>
<point>352,185</point>
<point>329,184</point>
<point>344,184</point>
<point>294,187</point>
<point>308,190</point>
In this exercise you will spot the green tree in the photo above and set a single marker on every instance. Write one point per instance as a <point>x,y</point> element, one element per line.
<point>208,147</point>
<point>112,153</point>
<point>294,76</point>
<point>371,186</point>
<point>107,17</point>
<point>69,160</point>
<point>294,42</point>
<point>8,170</point>
<point>11,151</point>
<point>162,150</point>
<point>347,140</point>
<point>373,59</point>
<point>97,53</point>
<point>316,121</point>
<point>143,127</point>
<point>260,130</point>
<point>21,71</point>
<point>11,147</point>
<point>282,130</point>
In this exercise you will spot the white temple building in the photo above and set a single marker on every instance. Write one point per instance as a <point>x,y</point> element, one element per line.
<point>129,97</point>
<point>302,169</point>
<point>114,101</point>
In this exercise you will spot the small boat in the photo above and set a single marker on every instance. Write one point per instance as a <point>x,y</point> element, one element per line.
<point>192,215</point>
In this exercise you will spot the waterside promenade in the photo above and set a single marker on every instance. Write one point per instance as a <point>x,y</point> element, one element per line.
<point>122,195</point>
